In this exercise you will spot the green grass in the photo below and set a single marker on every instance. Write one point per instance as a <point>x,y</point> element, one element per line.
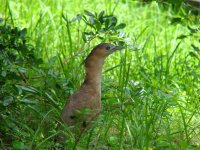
<point>150,96</point>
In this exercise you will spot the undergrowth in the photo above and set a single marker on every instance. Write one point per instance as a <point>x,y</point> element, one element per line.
<point>150,91</point>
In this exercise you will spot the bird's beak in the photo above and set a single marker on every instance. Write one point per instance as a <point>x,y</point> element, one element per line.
<point>114,48</point>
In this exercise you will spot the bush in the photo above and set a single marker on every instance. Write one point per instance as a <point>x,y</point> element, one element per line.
<point>16,59</point>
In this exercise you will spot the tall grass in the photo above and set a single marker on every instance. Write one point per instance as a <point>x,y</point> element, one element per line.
<point>150,94</point>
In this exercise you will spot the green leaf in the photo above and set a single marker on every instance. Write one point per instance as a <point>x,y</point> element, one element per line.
<point>22,70</point>
<point>23,32</point>
<point>3,73</point>
<point>106,23</point>
<point>101,38</point>
<point>27,89</point>
<point>84,37</point>
<point>122,34</point>
<point>176,20</point>
<point>84,18</point>
<point>79,17</point>
<point>114,20</point>
<point>28,101</point>
<point>195,48</point>
<point>98,25</point>
<point>182,37</point>
<point>52,100</point>
<point>84,111</point>
<point>192,30</point>
<point>91,33</point>
<point>18,145</point>
<point>52,61</point>
<point>92,20</point>
<point>101,16</point>
<point>65,18</point>
<point>120,26</point>
<point>7,100</point>
<point>193,54</point>
<point>88,13</point>
<point>113,140</point>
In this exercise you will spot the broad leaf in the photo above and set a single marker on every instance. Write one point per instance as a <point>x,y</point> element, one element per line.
<point>88,13</point>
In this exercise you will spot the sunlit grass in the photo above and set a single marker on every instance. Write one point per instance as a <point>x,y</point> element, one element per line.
<point>150,96</point>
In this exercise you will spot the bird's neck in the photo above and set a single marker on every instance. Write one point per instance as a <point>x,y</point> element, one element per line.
<point>93,74</point>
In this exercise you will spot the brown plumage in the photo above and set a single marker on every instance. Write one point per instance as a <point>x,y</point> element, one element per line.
<point>85,104</point>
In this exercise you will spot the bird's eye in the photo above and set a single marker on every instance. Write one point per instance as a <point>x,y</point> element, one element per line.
<point>108,47</point>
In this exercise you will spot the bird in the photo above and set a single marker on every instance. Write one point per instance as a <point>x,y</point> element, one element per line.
<point>84,106</point>
<point>194,2</point>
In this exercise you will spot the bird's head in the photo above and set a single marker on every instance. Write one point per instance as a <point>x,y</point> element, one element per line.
<point>100,52</point>
<point>105,49</point>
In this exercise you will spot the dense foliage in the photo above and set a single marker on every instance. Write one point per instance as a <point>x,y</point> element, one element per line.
<point>150,91</point>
